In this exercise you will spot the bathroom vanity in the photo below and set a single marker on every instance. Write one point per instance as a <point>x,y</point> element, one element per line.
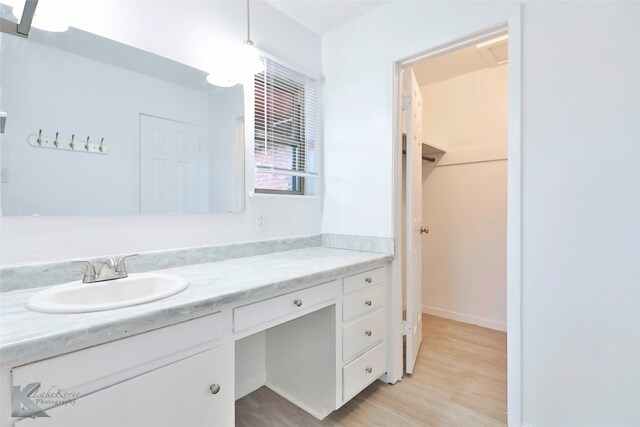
<point>310,324</point>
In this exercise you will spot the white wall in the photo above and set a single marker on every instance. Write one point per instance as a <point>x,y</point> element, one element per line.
<point>357,95</point>
<point>189,32</point>
<point>464,199</point>
<point>581,214</point>
<point>195,32</point>
<point>465,253</point>
<point>468,113</point>
<point>581,183</point>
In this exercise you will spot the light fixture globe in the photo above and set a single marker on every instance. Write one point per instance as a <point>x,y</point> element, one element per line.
<point>249,58</point>
<point>221,80</point>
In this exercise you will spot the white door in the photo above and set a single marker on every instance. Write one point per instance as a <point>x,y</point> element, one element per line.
<point>169,166</point>
<point>412,104</point>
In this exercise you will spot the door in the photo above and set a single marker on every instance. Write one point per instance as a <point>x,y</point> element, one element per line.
<point>412,106</point>
<point>169,166</point>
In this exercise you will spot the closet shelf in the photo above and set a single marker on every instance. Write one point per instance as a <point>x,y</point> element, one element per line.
<point>428,150</point>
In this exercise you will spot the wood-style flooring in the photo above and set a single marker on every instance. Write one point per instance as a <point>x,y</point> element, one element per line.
<point>460,380</point>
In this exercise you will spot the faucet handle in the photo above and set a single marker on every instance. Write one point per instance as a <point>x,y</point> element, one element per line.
<point>90,273</point>
<point>121,268</point>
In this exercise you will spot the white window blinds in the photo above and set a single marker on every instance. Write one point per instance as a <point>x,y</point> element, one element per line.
<point>286,127</point>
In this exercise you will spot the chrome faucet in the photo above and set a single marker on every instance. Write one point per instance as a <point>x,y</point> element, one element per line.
<point>110,270</point>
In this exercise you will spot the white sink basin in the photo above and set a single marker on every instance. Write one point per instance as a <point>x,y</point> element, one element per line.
<point>78,297</point>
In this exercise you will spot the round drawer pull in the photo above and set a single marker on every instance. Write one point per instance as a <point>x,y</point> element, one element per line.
<point>369,370</point>
<point>368,302</point>
<point>367,333</point>
<point>368,280</point>
<point>215,388</point>
<point>298,302</point>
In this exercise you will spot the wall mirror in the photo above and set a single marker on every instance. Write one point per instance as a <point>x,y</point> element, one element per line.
<point>96,127</point>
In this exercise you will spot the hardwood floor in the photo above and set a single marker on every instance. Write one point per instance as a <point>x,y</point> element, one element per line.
<point>460,380</point>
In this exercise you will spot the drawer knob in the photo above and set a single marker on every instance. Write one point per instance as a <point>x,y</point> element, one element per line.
<point>368,280</point>
<point>367,333</point>
<point>368,302</point>
<point>215,388</point>
<point>369,370</point>
<point>298,302</point>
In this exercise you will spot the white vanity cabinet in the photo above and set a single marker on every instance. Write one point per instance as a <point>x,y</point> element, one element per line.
<point>317,344</point>
<point>190,392</point>
<point>177,375</point>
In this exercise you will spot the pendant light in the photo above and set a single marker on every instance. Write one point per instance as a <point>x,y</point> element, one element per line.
<point>244,62</point>
<point>250,57</point>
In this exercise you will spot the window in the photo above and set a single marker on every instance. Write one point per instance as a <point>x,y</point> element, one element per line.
<point>285,129</point>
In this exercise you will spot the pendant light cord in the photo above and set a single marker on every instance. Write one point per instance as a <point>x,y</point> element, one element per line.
<point>248,22</point>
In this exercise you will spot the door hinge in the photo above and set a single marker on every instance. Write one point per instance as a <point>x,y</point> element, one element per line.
<point>406,328</point>
<point>406,102</point>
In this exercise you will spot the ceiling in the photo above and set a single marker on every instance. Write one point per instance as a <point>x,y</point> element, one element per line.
<point>323,16</point>
<point>466,60</point>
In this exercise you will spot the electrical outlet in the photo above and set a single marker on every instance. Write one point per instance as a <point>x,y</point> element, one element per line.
<point>259,222</point>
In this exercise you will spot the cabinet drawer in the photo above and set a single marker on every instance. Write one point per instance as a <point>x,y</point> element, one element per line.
<point>368,279</point>
<point>264,311</point>
<point>363,333</point>
<point>364,370</point>
<point>178,394</point>
<point>362,302</point>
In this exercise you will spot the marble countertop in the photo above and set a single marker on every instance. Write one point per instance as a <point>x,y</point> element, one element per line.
<point>26,336</point>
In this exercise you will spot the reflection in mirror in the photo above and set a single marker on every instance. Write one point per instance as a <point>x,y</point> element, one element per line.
<point>97,127</point>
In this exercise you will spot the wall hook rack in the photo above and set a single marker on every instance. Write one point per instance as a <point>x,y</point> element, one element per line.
<point>58,143</point>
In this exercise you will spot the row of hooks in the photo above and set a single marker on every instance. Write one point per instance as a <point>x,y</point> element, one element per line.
<point>72,144</point>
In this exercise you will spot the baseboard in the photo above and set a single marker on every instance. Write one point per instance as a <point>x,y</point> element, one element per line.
<point>465,318</point>
<point>298,403</point>
<point>249,386</point>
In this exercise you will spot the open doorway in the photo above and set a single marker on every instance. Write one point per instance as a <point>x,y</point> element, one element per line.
<point>454,123</point>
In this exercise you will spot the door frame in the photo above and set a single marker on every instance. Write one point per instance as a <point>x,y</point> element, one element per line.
<point>514,204</point>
